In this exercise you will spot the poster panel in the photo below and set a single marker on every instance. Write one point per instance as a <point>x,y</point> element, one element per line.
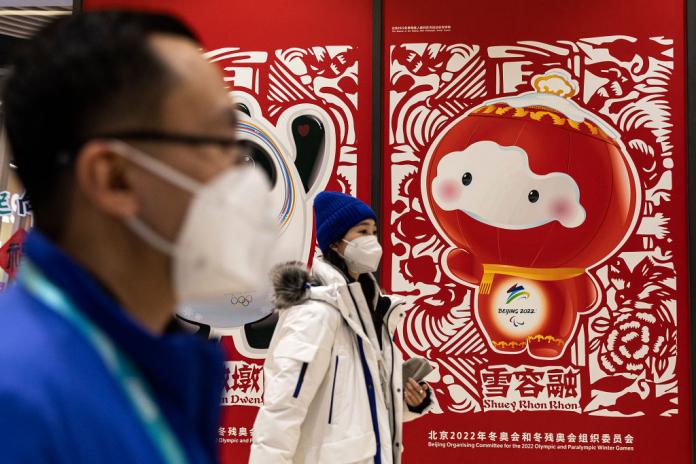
<point>535,218</point>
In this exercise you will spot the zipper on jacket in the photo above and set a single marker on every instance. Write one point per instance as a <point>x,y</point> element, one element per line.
<point>333,390</point>
<point>369,384</point>
<point>385,329</point>
<point>300,379</point>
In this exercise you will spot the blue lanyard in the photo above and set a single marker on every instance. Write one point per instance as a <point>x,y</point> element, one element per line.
<point>120,367</point>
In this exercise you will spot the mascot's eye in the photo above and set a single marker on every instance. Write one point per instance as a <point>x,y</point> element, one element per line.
<point>533,196</point>
<point>467,178</point>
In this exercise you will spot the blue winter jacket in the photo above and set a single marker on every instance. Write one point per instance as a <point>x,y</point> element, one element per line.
<point>59,403</point>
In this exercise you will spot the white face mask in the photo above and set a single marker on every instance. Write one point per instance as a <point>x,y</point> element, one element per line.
<point>363,254</point>
<point>225,243</point>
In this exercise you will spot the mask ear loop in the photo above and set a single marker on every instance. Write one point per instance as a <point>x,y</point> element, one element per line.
<point>166,173</point>
<point>149,236</point>
<point>154,166</point>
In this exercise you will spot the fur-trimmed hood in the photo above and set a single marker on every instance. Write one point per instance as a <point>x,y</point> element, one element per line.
<point>292,284</point>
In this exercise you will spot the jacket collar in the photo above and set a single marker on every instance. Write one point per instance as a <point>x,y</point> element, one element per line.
<point>185,373</point>
<point>329,273</point>
<point>339,293</point>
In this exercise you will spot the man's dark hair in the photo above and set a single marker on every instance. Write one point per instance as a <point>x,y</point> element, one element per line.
<point>81,75</point>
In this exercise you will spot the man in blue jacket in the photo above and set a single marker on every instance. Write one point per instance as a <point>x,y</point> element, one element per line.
<point>125,139</point>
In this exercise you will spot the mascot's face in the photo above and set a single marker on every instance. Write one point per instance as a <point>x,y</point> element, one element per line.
<point>296,175</point>
<point>530,187</point>
<point>494,185</point>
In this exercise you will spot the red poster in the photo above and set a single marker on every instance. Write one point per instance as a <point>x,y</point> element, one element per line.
<point>535,217</point>
<point>11,253</point>
<point>302,74</point>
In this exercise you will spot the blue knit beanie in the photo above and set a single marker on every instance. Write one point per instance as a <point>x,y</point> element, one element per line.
<point>336,214</point>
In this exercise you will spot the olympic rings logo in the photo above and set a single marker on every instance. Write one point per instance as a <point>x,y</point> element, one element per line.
<point>241,300</point>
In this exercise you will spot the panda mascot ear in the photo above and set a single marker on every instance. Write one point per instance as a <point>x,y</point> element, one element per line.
<point>309,134</point>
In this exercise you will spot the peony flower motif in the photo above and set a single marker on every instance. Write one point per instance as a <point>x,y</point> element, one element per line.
<point>632,341</point>
<point>639,334</point>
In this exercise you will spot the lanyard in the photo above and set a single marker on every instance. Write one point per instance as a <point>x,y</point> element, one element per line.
<point>120,367</point>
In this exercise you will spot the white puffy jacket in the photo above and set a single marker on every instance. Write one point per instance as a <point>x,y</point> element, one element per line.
<point>329,389</point>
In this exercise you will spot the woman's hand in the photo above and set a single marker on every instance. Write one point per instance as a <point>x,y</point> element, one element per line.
<point>415,393</point>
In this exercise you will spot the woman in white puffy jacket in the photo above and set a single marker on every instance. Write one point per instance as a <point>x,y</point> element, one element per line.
<point>334,386</point>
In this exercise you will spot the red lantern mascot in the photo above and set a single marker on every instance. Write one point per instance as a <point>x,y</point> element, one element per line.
<point>531,191</point>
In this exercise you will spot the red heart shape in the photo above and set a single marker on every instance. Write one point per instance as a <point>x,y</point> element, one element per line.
<point>303,129</point>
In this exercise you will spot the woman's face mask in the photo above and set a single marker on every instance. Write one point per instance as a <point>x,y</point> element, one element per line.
<point>225,243</point>
<point>362,254</point>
